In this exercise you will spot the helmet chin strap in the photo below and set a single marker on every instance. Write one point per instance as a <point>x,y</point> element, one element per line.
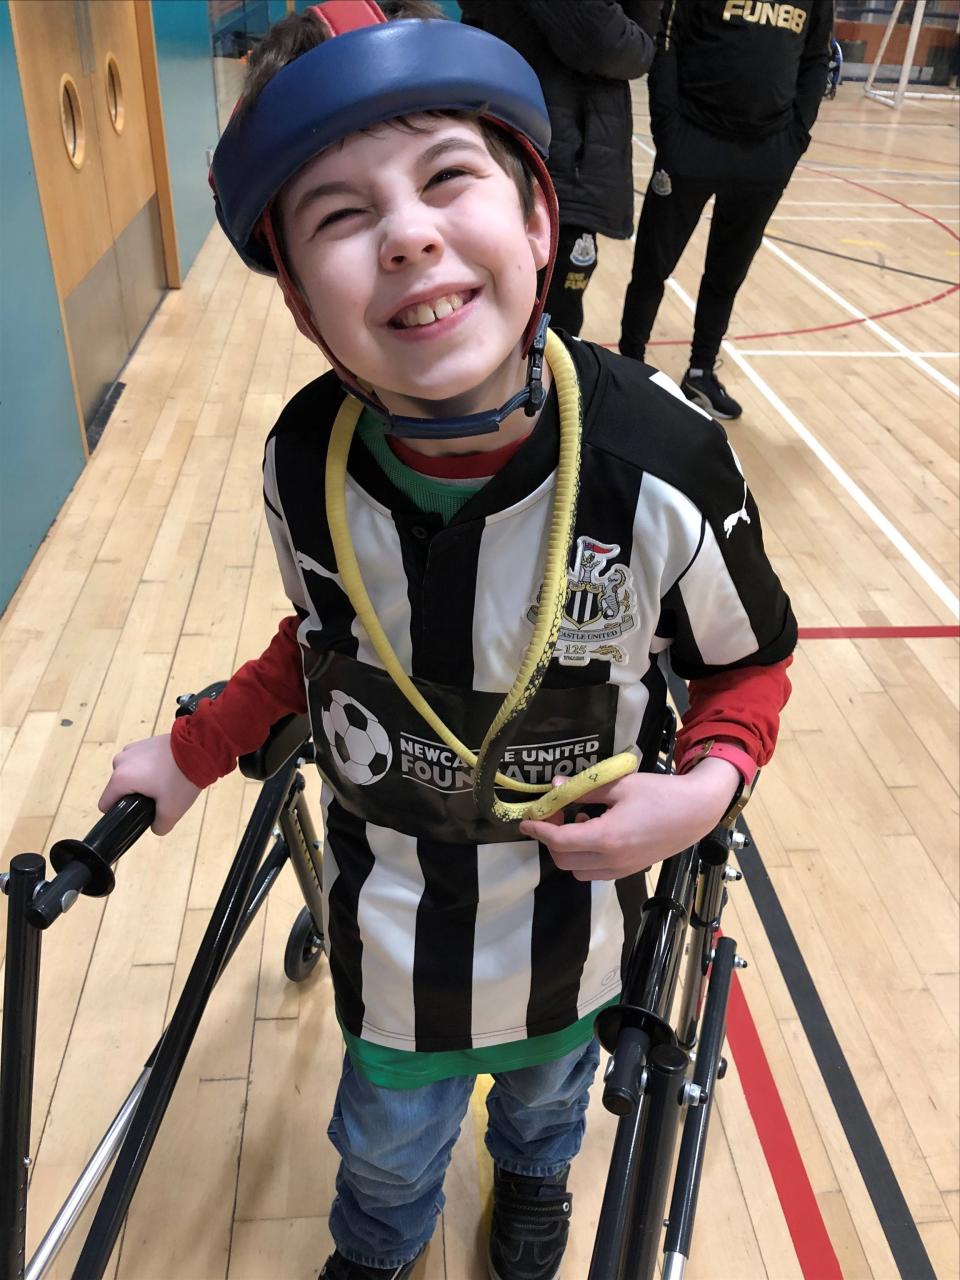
<point>530,398</point>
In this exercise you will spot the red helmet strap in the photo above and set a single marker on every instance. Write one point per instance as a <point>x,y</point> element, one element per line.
<point>339,16</point>
<point>297,305</point>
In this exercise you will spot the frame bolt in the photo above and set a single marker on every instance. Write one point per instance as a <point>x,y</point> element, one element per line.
<point>738,840</point>
<point>692,1094</point>
<point>731,873</point>
<point>739,962</point>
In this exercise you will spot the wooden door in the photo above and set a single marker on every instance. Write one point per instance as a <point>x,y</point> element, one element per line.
<point>83,88</point>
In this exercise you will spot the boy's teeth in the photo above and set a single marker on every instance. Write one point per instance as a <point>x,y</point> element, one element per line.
<point>427,313</point>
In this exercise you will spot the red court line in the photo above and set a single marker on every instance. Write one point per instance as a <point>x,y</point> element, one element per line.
<point>885,196</point>
<point>887,155</point>
<point>878,633</point>
<point>815,1251</point>
<point>817,328</point>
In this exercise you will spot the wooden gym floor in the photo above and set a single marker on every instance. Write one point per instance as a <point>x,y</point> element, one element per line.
<point>834,1149</point>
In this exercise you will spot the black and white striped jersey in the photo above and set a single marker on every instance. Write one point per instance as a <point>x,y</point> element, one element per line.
<point>447,931</point>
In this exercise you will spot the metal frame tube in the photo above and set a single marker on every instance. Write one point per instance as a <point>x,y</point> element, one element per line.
<point>619,1197</point>
<point>698,966</point>
<point>209,962</point>
<point>649,988</point>
<point>665,1073</point>
<point>653,965</point>
<point>20,997</point>
<point>85,1186</point>
<point>301,837</point>
<point>650,979</point>
<point>704,923</point>
<point>686,1187</point>
<point>98,1164</point>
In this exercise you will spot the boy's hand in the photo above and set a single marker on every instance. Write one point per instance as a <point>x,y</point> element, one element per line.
<point>148,767</point>
<point>649,817</point>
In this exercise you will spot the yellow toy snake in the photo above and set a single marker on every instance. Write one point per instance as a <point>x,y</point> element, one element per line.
<point>539,651</point>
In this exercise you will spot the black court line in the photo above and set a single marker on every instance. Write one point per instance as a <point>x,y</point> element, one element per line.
<point>867,262</point>
<point>905,1241</point>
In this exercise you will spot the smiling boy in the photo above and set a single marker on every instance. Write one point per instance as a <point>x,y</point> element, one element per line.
<point>392,178</point>
<point>410,242</point>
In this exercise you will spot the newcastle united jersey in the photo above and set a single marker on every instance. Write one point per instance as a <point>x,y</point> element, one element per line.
<point>447,931</point>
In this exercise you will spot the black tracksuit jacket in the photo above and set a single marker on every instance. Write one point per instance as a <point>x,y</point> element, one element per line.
<point>741,69</point>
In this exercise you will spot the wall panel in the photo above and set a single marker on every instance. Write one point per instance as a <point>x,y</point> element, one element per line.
<point>41,446</point>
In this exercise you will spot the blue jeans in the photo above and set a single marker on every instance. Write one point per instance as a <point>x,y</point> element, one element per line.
<point>395,1146</point>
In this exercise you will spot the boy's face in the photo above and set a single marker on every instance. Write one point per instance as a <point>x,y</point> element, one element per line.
<point>414,256</point>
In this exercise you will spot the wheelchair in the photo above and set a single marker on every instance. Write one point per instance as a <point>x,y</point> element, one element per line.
<point>834,70</point>
<point>660,1076</point>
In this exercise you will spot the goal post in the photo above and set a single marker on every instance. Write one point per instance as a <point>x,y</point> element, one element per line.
<point>894,98</point>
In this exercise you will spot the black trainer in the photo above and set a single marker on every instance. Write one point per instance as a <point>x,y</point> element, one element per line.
<point>337,1267</point>
<point>704,388</point>
<point>528,1234</point>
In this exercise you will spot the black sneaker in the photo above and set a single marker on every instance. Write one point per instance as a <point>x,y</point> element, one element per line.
<point>337,1267</point>
<point>528,1234</point>
<point>704,388</point>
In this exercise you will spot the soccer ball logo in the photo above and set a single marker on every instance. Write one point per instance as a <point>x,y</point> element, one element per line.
<point>361,748</point>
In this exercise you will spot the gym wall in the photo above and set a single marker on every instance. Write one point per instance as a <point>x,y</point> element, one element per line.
<point>108,115</point>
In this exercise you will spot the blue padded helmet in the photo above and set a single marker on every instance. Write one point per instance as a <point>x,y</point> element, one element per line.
<point>364,77</point>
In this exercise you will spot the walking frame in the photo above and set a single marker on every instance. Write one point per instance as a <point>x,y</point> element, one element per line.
<point>659,1079</point>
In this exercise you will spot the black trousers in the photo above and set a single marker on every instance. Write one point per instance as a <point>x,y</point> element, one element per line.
<point>576,262</point>
<point>747,180</point>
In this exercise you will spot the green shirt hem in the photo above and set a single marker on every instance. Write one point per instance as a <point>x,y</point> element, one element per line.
<point>407,1069</point>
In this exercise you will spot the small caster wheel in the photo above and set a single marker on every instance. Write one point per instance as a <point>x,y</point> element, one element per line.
<point>304,947</point>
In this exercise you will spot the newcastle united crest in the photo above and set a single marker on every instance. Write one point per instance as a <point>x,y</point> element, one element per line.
<point>598,610</point>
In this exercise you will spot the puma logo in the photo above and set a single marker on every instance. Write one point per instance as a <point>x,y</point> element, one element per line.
<point>732,520</point>
<point>308,562</point>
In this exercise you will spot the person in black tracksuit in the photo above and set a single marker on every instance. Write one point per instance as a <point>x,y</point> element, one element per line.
<point>584,52</point>
<point>734,90</point>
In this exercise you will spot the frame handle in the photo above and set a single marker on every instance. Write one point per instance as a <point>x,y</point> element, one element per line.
<point>85,866</point>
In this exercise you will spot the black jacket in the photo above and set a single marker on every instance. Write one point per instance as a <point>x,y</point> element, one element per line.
<point>740,69</point>
<point>585,53</point>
